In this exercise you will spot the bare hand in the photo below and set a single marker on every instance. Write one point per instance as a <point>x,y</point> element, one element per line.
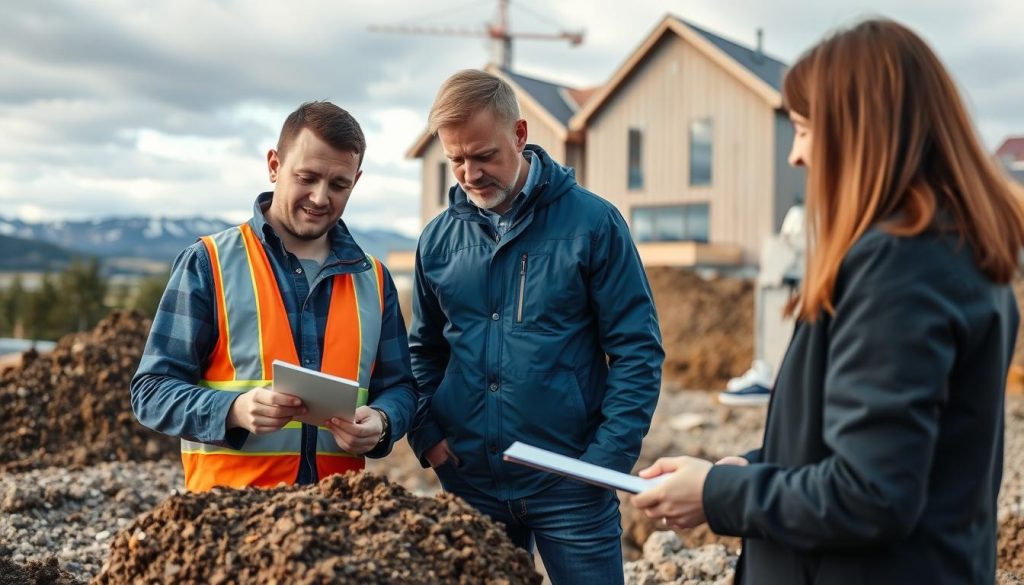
<point>439,454</point>
<point>733,460</point>
<point>261,411</point>
<point>359,435</point>
<point>678,498</point>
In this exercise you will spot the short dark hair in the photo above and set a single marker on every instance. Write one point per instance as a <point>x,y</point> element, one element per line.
<point>330,123</point>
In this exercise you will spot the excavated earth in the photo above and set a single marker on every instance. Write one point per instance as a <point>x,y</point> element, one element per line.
<point>356,528</point>
<point>71,407</point>
<point>707,327</point>
<point>83,485</point>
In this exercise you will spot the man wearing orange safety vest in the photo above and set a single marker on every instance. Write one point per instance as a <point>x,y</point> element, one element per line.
<point>289,284</point>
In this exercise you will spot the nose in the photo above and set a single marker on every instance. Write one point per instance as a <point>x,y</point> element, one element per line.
<point>796,159</point>
<point>472,172</point>
<point>318,194</point>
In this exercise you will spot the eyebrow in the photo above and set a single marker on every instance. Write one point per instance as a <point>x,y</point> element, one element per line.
<point>339,179</point>
<point>482,154</point>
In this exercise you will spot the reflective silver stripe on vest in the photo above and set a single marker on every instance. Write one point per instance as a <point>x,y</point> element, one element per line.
<point>242,305</point>
<point>368,300</point>
<point>367,291</point>
<point>282,442</point>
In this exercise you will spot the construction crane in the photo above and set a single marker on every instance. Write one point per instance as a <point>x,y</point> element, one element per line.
<point>499,33</point>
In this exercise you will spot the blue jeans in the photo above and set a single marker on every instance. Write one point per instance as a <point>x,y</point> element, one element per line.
<point>576,527</point>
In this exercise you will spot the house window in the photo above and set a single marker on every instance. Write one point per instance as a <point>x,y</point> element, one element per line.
<point>700,152</point>
<point>442,183</point>
<point>636,170</point>
<point>677,223</point>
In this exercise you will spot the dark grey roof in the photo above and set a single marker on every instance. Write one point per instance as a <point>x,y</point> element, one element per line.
<point>766,68</point>
<point>548,95</point>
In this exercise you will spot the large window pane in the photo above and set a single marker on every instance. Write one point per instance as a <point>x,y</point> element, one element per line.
<point>636,171</point>
<point>700,152</point>
<point>643,225</point>
<point>671,223</point>
<point>697,223</point>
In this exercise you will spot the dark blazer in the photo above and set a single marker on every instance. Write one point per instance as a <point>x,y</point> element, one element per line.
<point>883,451</point>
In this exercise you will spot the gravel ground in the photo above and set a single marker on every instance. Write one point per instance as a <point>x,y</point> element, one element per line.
<point>73,513</point>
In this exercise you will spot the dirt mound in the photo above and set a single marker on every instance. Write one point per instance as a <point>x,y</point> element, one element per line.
<point>707,327</point>
<point>1011,545</point>
<point>72,406</point>
<point>46,572</point>
<point>353,528</point>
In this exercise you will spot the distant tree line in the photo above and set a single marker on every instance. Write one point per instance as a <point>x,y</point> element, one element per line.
<point>69,301</point>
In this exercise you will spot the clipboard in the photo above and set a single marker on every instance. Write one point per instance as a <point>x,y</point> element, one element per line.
<point>549,461</point>
<point>324,396</point>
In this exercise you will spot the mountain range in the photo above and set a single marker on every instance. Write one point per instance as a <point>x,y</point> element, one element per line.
<point>126,241</point>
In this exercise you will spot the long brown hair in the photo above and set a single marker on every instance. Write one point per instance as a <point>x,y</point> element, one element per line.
<point>892,143</point>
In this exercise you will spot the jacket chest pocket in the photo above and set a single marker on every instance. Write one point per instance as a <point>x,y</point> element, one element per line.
<point>545,293</point>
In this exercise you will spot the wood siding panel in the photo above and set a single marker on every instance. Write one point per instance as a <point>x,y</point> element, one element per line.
<point>540,133</point>
<point>430,200</point>
<point>675,85</point>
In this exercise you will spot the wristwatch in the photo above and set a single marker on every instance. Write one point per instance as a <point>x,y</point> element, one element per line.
<point>385,429</point>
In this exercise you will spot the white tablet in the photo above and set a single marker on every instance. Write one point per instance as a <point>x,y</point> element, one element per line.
<point>324,395</point>
<point>545,460</point>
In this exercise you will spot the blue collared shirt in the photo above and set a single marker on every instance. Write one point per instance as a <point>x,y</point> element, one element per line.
<point>502,222</point>
<point>164,393</point>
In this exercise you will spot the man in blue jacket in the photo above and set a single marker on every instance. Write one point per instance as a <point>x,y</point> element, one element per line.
<point>533,322</point>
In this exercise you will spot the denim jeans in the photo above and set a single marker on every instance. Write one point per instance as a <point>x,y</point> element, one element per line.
<point>576,527</point>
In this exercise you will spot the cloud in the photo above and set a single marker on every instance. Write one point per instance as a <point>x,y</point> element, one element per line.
<point>112,107</point>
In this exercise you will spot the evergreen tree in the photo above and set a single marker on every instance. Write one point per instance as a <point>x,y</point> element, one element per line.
<point>40,316</point>
<point>83,292</point>
<point>151,290</point>
<point>12,304</point>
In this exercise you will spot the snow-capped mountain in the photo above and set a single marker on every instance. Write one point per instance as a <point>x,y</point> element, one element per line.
<point>157,238</point>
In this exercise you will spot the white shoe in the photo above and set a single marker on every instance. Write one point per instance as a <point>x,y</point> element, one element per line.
<point>760,373</point>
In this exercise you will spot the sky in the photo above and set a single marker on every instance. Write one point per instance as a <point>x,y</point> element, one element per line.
<point>168,108</point>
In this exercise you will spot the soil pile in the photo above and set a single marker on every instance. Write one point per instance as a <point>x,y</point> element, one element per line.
<point>71,407</point>
<point>353,528</point>
<point>46,572</point>
<point>707,327</point>
<point>1011,545</point>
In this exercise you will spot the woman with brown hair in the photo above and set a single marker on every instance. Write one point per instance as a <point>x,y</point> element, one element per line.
<point>883,450</point>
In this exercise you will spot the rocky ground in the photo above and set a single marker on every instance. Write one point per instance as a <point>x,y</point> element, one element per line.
<point>83,486</point>
<point>76,515</point>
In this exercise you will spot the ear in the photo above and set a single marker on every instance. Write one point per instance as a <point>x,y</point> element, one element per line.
<point>273,164</point>
<point>520,131</point>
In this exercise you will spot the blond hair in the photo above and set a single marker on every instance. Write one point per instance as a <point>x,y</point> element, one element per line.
<point>892,145</point>
<point>469,91</point>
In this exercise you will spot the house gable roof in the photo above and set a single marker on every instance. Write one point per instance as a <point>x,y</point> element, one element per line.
<point>769,70</point>
<point>1012,149</point>
<point>759,72</point>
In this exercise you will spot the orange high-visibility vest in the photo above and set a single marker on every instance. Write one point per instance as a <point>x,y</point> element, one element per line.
<point>253,331</point>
